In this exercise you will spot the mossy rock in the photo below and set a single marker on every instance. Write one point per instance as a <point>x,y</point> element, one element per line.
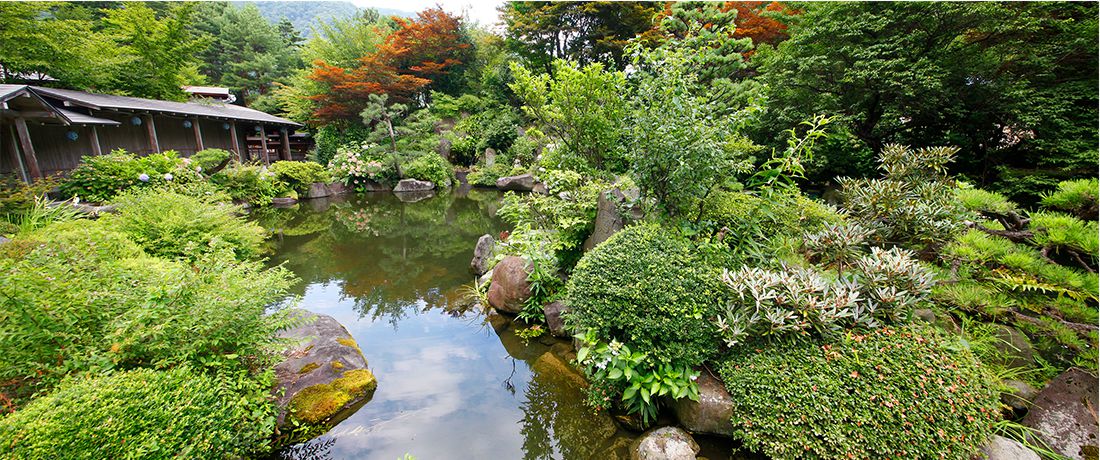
<point>323,378</point>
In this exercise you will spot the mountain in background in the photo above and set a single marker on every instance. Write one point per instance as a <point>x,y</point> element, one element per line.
<point>308,14</point>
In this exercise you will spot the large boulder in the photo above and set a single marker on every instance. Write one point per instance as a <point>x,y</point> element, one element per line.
<point>553,312</point>
<point>284,202</point>
<point>520,183</point>
<point>509,288</point>
<point>317,190</point>
<point>483,252</point>
<point>413,185</point>
<point>413,197</point>
<point>667,443</point>
<point>323,378</point>
<point>610,217</point>
<point>1014,347</point>
<point>1002,448</point>
<point>711,414</point>
<point>336,188</point>
<point>1064,414</point>
<point>1019,395</point>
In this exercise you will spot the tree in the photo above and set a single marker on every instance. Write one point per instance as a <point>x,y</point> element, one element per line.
<point>583,32</point>
<point>38,38</point>
<point>155,55</point>
<point>1012,85</point>
<point>431,47</point>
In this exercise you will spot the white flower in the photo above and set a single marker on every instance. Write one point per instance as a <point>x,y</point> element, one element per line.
<point>168,176</point>
<point>143,177</point>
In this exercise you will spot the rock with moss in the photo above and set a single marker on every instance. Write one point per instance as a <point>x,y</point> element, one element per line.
<point>324,376</point>
<point>1064,414</point>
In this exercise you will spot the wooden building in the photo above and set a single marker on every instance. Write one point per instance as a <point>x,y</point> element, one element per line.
<point>44,131</point>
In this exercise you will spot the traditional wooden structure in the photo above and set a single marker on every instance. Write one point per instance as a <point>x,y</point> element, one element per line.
<point>46,130</point>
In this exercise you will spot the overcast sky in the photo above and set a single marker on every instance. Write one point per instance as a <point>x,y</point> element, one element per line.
<point>482,11</point>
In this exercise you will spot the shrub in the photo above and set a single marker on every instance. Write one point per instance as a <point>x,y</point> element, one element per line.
<point>298,175</point>
<point>890,393</point>
<point>464,150</point>
<point>332,137</point>
<point>209,160</point>
<point>17,196</point>
<point>140,413</point>
<point>248,183</point>
<point>354,165</point>
<point>647,289</point>
<point>487,176</point>
<point>755,222</point>
<point>978,200</point>
<point>564,218</point>
<point>432,168</point>
<point>100,178</point>
<point>172,225</point>
<point>1075,196</point>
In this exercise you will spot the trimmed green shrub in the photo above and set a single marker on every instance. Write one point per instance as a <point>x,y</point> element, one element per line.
<point>487,176</point>
<point>140,413</point>
<point>298,175</point>
<point>208,160</point>
<point>248,183</point>
<point>891,393</point>
<point>646,288</point>
<point>430,167</point>
<point>100,178</point>
<point>172,225</point>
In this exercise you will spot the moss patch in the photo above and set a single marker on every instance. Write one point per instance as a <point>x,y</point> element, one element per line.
<point>308,368</point>
<point>319,402</point>
<point>349,342</point>
<point>337,365</point>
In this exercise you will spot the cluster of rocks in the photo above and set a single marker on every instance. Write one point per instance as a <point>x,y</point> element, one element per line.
<point>408,190</point>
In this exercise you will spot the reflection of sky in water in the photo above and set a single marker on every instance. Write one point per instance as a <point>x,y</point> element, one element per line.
<point>440,392</point>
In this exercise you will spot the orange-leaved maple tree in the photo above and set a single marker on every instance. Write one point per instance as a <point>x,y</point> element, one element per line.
<point>416,53</point>
<point>753,21</point>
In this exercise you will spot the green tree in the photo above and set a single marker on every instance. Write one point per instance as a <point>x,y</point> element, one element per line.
<point>156,55</point>
<point>1013,85</point>
<point>585,32</point>
<point>37,37</point>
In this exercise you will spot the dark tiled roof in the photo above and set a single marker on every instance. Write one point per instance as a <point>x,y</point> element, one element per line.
<point>126,103</point>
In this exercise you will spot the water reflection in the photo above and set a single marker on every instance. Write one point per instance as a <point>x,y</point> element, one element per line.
<point>452,382</point>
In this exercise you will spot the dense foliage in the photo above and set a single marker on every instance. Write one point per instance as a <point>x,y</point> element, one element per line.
<point>100,178</point>
<point>893,392</point>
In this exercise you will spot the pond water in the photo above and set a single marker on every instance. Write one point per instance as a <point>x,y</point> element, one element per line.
<point>453,382</point>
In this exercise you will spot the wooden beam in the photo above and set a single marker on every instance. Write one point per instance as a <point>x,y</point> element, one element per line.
<point>151,127</point>
<point>198,134</point>
<point>263,144</point>
<point>28,149</point>
<point>96,149</point>
<point>285,152</point>
<point>235,145</point>
<point>18,160</point>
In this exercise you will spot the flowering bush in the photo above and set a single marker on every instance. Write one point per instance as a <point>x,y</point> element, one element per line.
<point>99,178</point>
<point>355,166</point>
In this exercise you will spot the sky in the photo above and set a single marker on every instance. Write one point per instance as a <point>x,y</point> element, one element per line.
<point>482,11</point>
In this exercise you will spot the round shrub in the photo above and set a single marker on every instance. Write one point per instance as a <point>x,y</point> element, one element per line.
<point>891,393</point>
<point>432,168</point>
<point>100,178</point>
<point>298,175</point>
<point>248,183</point>
<point>209,160</point>
<point>647,288</point>
<point>139,414</point>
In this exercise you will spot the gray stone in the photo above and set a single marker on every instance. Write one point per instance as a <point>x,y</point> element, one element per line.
<point>317,190</point>
<point>667,443</point>
<point>283,202</point>
<point>413,197</point>
<point>487,277</point>
<point>90,210</point>
<point>490,156</point>
<point>925,314</point>
<point>1014,347</point>
<point>444,147</point>
<point>509,288</point>
<point>520,183</point>
<point>711,414</point>
<point>3,240</point>
<point>609,217</point>
<point>413,185</point>
<point>554,321</point>
<point>336,188</point>
<point>1064,413</point>
<point>483,253</point>
<point>1002,448</point>
<point>541,189</point>
<point>323,351</point>
<point>1019,396</point>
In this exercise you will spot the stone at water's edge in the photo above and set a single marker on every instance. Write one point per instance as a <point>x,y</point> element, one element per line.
<point>483,251</point>
<point>413,185</point>
<point>413,197</point>
<point>667,443</point>
<point>283,202</point>
<point>336,188</point>
<point>317,190</point>
<point>553,312</point>
<point>1064,413</point>
<point>520,183</point>
<point>609,218</point>
<point>711,414</point>
<point>509,288</point>
<point>1002,448</point>
<point>323,375</point>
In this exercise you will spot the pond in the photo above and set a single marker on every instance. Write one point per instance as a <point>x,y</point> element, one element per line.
<point>453,382</point>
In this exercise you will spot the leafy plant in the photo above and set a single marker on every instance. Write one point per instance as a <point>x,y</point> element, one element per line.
<point>298,175</point>
<point>432,168</point>
<point>1076,196</point>
<point>784,168</point>
<point>100,178</point>
<point>208,161</point>
<point>247,183</point>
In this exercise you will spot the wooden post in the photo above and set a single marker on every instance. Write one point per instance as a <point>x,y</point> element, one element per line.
<point>198,134</point>
<point>286,145</point>
<point>235,144</point>
<point>263,144</point>
<point>154,144</point>
<point>96,149</point>
<point>28,148</point>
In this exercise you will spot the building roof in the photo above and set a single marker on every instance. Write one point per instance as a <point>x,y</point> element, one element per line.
<point>82,119</point>
<point>136,104</point>
<point>10,91</point>
<point>206,90</point>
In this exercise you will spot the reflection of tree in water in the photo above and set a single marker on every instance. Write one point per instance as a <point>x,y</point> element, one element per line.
<point>387,255</point>
<point>316,449</point>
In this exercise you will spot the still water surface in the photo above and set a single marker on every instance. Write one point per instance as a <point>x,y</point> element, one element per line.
<point>450,384</point>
